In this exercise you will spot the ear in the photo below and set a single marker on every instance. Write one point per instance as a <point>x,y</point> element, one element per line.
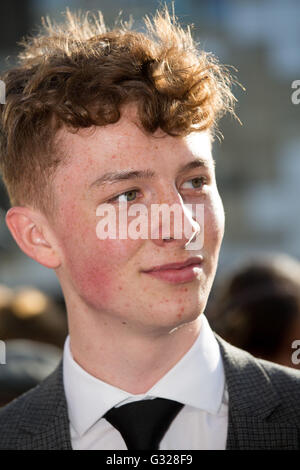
<point>30,230</point>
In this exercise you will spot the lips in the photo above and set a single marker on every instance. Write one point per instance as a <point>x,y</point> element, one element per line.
<point>175,273</point>
<point>196,260</point>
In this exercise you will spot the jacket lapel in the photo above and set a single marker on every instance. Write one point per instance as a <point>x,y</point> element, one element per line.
<point>255,409</point>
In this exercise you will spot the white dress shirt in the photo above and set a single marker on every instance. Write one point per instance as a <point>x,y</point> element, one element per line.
<point>197,381</point>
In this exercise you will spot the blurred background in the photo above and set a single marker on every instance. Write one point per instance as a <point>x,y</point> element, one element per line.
<point>258,163</point>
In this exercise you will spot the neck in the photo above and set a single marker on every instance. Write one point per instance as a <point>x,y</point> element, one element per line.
<point>126,357</point>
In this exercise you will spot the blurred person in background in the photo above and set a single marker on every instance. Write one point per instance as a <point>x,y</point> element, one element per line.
<point>34,329</point>
<point>93,117</point>
<point>258,308</point>
<point>28,313</point>
<point>27,363</point>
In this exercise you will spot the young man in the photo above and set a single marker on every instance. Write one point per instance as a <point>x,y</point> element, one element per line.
<point>95,118</point>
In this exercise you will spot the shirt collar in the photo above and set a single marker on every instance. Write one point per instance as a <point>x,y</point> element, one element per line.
<point>196,380</point>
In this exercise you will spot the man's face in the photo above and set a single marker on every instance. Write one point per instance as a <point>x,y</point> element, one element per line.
<point>108,276</point>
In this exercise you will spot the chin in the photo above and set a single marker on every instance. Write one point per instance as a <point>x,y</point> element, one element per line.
<point>183,314</point>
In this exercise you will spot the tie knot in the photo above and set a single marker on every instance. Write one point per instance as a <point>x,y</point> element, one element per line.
<point>143,423</point>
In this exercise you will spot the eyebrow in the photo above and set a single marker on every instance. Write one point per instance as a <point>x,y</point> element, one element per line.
<point>112,177</point>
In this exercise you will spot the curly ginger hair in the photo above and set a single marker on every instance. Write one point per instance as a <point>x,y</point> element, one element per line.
<point>79,74</point>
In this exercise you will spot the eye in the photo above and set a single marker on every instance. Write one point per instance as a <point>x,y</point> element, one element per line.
<point>128,195</point>
<point>197,183</point>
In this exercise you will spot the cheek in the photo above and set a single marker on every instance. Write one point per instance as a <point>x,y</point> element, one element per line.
<point>91,279</point>
<point>96,268</point>
<point>214,223</point>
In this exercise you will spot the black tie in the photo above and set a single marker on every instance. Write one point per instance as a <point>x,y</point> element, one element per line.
<point>144,423</point>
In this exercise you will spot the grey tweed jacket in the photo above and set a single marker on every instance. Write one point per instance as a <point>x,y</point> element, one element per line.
<point>264,408</point>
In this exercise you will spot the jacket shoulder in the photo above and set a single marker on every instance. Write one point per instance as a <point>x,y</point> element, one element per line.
<point>261,387</point>
<point>283,378</point>
<point>11,415</point>
<point>286,382</point>
<point>34,414</point>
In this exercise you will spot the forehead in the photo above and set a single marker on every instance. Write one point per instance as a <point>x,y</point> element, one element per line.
<point>126,145</point>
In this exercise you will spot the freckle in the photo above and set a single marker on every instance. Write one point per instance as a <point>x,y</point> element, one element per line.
<point>124,322</point>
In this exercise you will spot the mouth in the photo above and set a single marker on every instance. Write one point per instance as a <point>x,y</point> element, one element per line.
<point>174,273</point>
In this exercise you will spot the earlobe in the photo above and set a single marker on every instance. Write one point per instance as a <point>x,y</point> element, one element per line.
<point>28,232</point>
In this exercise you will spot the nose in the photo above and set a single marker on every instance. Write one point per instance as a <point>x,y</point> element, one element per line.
<point>172,221</point>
